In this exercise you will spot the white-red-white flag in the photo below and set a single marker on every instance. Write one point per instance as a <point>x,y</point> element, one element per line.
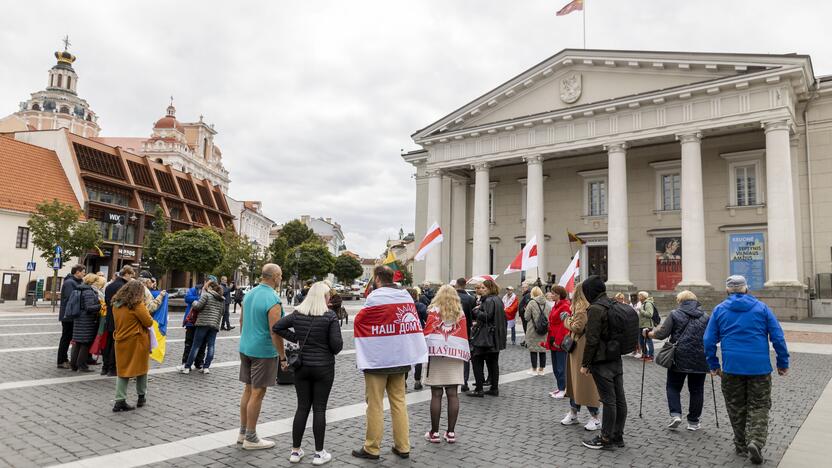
<point>431,240</point>
<point>388,321</point>
<point>481,278</point>
<point>526,259</point>
<point>572,272</point>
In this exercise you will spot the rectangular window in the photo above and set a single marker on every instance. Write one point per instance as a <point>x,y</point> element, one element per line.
<point>22,241</point>
<point>68,82</point>
<point>60,80</point>
<point>117,233</point>
<point>671,192</point>
<point>104,195</point>
<point>746,183</point>
<point>597,198</point>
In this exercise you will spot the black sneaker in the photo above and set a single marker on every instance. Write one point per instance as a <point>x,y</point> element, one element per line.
<point>741,451</point>
<point>361,453</point>
<point>399,453</point>
<point>598,443</point>
<point>476,394</point>
<point>122,405</point>
<point>619,442</point>
<point>142,401</point>
<point>755,454</point>
<point>464,389</point>
<point>492,392</point>
<point>417,386</point>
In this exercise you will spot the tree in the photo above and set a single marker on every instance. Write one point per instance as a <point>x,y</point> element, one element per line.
<point>153,241</point>
<point>278,250</point>
<point>347,268</point>
<point>58,224</point>
<point>314,260</point>
<point>297,233</point>
<point>195,250</point>
<point>238,254</point>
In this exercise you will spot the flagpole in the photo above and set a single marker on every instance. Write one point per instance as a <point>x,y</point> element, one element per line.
<point>583,16</point>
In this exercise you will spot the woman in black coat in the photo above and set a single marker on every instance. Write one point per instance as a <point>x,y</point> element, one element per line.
<point>488,338</point>
<point>85,327</point>
<point>317,331</point>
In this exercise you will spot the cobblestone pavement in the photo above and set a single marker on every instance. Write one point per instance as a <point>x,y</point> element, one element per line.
<point>47,422</point>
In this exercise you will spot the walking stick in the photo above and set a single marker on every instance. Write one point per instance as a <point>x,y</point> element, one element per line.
<point>641,398</point>
<point>713,391</point>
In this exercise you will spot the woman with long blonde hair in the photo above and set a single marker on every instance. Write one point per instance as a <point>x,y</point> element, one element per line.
<point>445,373</point>
<point>580,388</point>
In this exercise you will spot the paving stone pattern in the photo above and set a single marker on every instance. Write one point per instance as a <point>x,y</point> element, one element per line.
<point>49,424</point>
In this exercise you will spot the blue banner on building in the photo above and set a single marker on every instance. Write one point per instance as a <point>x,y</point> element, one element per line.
<point>747,257</point>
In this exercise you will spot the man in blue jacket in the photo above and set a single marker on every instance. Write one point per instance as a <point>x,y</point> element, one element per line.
<point>743,326</point>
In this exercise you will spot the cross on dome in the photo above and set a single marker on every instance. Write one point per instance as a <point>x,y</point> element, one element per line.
<point>66,42</point>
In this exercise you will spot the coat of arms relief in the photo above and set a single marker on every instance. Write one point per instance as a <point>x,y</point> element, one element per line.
<point>570,88</point>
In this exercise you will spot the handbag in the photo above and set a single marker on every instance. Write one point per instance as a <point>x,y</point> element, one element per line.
<point>482,335</point>
<point>666,356</point>
<point>295,361</point>
<point>568,343</point>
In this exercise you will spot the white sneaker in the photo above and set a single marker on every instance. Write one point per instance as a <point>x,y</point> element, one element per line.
<point>531,372</point>
<point>205,370</point>
<point>240,439</point>
<point>675,422</point>
<point>295,457</point>
<point>321,457</point>
<point>259,445</point>
<point>183,369</point>
<point>593,424</point>
<point>637,355</point>
<point>553,393</point>
<point>570,419</point>
<point>559,395</point>
<point>693,426</point>
<point>541,371</point>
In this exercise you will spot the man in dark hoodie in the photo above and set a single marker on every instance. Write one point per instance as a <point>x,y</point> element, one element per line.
<point>468,304</point>
<point>606,367</point>
<point>71,282</point>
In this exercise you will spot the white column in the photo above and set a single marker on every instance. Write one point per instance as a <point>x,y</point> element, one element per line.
<point>480,264</point>
<point>459,200</point>
<point>534,212</point>
<point>433,261</point>
<point>618,236</point>
<point>694,270</point>
<point>782,242</point>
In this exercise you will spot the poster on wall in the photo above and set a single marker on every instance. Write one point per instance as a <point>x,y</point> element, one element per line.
<point>668,262</point>
<point>746,255</point>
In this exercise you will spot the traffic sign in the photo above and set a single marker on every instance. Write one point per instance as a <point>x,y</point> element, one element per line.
<point>58,250</point>
<point>56,264</point>
<point>30,266</point>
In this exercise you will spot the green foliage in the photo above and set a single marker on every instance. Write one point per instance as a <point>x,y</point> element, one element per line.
<point>153,241</point>
<point>314,261</point>
<point>278,250</point>
<point>238,254</point>
<point>196,250</point>
<point>347,268</point>
<point>55,223</point>
<point>296,233</point>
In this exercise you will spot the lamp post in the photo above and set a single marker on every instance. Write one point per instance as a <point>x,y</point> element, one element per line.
<point>297,274</point>
<point>253,264</point>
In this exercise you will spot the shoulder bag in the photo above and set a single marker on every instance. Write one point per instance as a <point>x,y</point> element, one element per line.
<point>666,356</point>
<point>295,361</point>
<point>482,335</point>
<point>568,343</point>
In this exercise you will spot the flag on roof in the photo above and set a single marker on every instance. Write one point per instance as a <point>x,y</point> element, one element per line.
<point>526,259</point>
<point>574,5</point>
<point>431,240</point>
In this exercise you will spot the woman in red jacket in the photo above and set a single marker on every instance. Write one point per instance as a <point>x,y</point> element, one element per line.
<point>555,337</point>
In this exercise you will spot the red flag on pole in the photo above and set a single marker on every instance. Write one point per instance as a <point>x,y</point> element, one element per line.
<point>526,259</point>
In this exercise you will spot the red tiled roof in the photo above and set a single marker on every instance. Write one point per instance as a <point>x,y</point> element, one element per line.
<point>21,188</point>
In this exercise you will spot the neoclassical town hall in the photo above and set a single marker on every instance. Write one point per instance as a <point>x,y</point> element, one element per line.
<point>675,170</point>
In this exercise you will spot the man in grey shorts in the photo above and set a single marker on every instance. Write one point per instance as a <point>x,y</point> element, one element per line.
<point>259,350</point>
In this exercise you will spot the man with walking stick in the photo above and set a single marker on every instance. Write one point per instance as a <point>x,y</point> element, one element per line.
<point>743,326</point>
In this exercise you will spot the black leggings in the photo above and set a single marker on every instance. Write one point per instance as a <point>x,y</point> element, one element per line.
<point>436,407</point>
<point>534,355</point>
<point>312,385</point>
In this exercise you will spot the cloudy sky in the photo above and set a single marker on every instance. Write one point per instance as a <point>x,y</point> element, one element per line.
<point>314,100</point>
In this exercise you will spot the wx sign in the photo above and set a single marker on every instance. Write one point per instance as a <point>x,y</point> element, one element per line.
<point>114,218</point>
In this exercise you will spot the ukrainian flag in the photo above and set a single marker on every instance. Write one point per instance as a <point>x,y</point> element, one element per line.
<point>160,329</point>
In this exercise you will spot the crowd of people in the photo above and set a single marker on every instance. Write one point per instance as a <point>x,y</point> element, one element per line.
<point>440,333</point>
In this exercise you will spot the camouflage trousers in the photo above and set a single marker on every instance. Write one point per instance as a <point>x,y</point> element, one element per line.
<point>748,400</point>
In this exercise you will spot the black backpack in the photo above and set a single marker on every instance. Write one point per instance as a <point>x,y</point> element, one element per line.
<point>622,327</point>
<point>656,318</point>
<point>73,305</point>
<point>541,325</point>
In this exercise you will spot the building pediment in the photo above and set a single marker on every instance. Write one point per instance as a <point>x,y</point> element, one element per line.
<point>580,78</point>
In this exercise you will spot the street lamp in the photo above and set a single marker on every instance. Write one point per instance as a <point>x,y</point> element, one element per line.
<point>253,263</point>
<point>297,273</point>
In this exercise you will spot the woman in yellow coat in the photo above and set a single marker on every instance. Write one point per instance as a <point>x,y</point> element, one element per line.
<point>132,342</point>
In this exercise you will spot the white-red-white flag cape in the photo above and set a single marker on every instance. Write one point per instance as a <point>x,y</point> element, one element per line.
<point>388,332</point>
<point>431,240</point>
<point>572,272</point>
<point>447,339</point>
<point>526,259</point>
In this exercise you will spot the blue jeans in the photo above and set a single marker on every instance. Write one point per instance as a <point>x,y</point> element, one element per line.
<point>696,388</point>
<point>513,334</point>
<point>202,335</point>
<point>559,368</point>
<point>577,408</point>
<point>646,345</point>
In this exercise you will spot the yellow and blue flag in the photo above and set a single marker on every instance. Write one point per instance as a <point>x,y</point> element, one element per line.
<point>160,329</point>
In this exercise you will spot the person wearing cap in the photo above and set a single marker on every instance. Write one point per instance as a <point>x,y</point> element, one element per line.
<point>510,304</point>
<point>743,326</point>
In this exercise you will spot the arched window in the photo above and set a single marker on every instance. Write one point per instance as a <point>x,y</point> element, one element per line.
<point>36,106</point>
<point>60,80</point>
<point>160,161</point>
<point>69,82</point>
<point>51,80</point>
<point>64,110</point>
